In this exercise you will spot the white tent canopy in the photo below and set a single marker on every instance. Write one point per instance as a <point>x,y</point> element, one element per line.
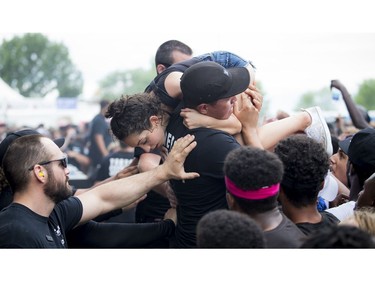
<point>8,95</point>
<point>17,110</point>
<point>8,98</point>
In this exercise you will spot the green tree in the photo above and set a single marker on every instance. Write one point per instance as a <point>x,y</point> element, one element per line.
<point>127,82</point>
<point>366,94</point>
<point>321,97</point>
<point>35,66</point>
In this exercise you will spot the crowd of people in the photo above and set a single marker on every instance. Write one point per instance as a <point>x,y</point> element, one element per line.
<point>188,164</point>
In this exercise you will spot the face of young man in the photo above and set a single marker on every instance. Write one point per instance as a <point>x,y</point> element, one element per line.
<point>338,166</point>
<point>221,109</point>
<point>57,187</point>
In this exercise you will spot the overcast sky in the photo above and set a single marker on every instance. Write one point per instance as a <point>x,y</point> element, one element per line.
<point>295,47</point>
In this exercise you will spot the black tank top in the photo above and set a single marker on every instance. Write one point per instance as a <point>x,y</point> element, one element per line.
<point>157,85</point>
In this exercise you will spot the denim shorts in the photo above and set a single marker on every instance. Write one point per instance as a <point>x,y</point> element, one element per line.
<point>225,59</point>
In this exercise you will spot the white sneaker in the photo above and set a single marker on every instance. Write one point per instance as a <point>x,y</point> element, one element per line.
<point>318,130</point>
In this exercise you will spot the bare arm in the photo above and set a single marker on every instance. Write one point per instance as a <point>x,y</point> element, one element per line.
<point>172,84</point>
<point>71,133</point>
<point>147,162</point>
<point>357,118</point>
<point>193,119</point>
<point>82,159</point>
<point>101,144</point>
<point>126,172</point>
<point>122,192</point>
<point>271,133</point>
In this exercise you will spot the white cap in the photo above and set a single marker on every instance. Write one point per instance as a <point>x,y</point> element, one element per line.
<point>330,188</point>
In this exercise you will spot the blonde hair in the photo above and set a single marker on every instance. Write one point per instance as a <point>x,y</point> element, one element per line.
<point>365,217</point>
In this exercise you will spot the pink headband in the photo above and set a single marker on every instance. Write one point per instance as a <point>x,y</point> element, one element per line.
<point>261,193</point>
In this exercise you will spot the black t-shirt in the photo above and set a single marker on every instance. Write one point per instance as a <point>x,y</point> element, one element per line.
<point>328,220</point>
<point>155,205</point>
<point>100,126</point>
<point>113,163</point>
<point>206,193</point>
<point>22,228</point>
<point>152,208</point>
<point>79,147</point>
<point>119,235</point>
<point>6,196</point>
<point>285,235</point>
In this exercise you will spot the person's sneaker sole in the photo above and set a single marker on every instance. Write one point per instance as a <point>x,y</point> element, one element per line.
<point>328,142</point>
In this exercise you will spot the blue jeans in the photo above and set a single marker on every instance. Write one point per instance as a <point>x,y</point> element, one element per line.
<point>225,59</point>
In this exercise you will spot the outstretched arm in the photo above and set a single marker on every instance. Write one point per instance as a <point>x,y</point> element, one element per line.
<point>357,118</point>
<point>125,172</point>
<point>122,192</point>
<point>119,235</point>
<point>147,162</point>
<point>193,119</point>
<point>271,133</point>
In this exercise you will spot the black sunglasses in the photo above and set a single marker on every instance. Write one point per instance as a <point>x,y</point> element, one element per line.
<point>63,162</point>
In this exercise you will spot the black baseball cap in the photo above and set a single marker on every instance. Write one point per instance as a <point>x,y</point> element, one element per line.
<point>4,145</point>
<point>360,148</point>
<point>207,82</point>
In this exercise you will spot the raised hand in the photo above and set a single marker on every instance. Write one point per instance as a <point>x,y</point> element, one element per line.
<point>173,166</point>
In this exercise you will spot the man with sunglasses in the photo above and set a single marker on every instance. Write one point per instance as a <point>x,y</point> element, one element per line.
<point>43,210</point>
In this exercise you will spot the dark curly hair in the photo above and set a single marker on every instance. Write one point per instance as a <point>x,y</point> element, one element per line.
<point>251,168</point>
<point>306,164</point>
<point>229,229</point>
<point>131,114</point>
